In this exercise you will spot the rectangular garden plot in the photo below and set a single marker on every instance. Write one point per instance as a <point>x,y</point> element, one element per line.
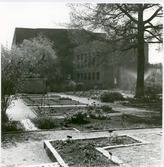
<point>86,152</point>
<point>55,111</point>
<point>50,101</point>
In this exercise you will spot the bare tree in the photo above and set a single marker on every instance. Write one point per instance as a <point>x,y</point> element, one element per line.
<point>126,26</point>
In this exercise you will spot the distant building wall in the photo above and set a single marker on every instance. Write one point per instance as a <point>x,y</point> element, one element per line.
<point>80,63</point>
<point>32,85</point>
<point>62,45</point>
<point>115,72</point>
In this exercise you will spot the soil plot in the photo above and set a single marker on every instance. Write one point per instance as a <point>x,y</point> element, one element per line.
<point>50,101</point>
<point>83,152</point>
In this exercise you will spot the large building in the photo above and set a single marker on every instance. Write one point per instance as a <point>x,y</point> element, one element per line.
<point>62,44</point>
<point>89,62</point>
<point>97,66</point>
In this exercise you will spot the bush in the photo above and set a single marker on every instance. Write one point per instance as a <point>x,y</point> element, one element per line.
<point>97,114</point>
<point>104,97</point>
<point>153,84</point>
<point>80,86</point>
<point>46,122</point>
<point>153,89</point>
<point>90,108</point>
<point>111,97</point>
<point>12,126</point>
<point>106,108</point>
<point>77,118</point>
<point>71,86</point>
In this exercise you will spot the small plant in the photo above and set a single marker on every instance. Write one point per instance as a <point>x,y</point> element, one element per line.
<point>94,97</point>
<point>90,108</point>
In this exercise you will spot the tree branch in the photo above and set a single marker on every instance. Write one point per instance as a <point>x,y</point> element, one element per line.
<point>153,16</point>
<point>127,14</point>
<point>153,35</point>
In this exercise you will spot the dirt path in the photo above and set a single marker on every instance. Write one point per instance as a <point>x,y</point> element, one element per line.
<point>27,148</point>
<point>19,111</point>
<point>116,106</point>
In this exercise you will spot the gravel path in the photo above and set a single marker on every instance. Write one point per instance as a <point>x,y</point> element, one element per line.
<point>27,148</point>
<point>19,111</point>
<point>115,106</point>
<point>28,125</point>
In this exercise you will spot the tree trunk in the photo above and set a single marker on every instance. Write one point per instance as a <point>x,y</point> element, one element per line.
<point>141,58</point>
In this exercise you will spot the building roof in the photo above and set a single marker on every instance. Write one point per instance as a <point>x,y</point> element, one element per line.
<point>27,33</point>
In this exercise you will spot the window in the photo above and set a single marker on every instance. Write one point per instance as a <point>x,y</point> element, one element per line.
<point>85,60</point>
<point>98,56</point>
<point>78,76</point>
<point>78,65</point>
<point>69,76</point>
<point>85,76</point>
<point>89,59</point>
<point>82,57</point>
<point>93,61</point>
<point>81,76</point>
<point>98,75</point>
<point>81,60</point>
<point>89,76</point>
<point>93,75</point>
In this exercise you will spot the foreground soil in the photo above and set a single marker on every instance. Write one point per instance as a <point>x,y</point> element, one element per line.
<point>83,153</point>
<point>27,148</point>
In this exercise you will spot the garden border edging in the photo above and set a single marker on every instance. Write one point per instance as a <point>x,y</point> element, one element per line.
<point>54,155</point>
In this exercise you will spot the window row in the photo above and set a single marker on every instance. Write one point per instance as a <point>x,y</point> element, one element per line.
<point>87,63</point>
<point>88,76</point>
<point>88,55</point>
<point>87,60</point>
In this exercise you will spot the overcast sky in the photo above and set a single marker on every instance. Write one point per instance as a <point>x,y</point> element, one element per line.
<point>40,15</point>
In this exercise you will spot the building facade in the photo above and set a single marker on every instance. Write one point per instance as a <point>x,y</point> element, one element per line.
<point>94,66</point>
<point>90,63</point>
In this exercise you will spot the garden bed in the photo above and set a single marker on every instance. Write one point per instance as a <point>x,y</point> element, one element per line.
<point>90,124</point>
<point>90,118</point>
<point>146,103</point>
<point>82,152</point>
<point>92,94</point>
<point>60,111</point>
<point>54,111</point>
<point>50,101</point>
<point>117,122</point>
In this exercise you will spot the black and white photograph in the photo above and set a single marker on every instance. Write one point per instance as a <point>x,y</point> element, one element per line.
<point>81,84</point>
